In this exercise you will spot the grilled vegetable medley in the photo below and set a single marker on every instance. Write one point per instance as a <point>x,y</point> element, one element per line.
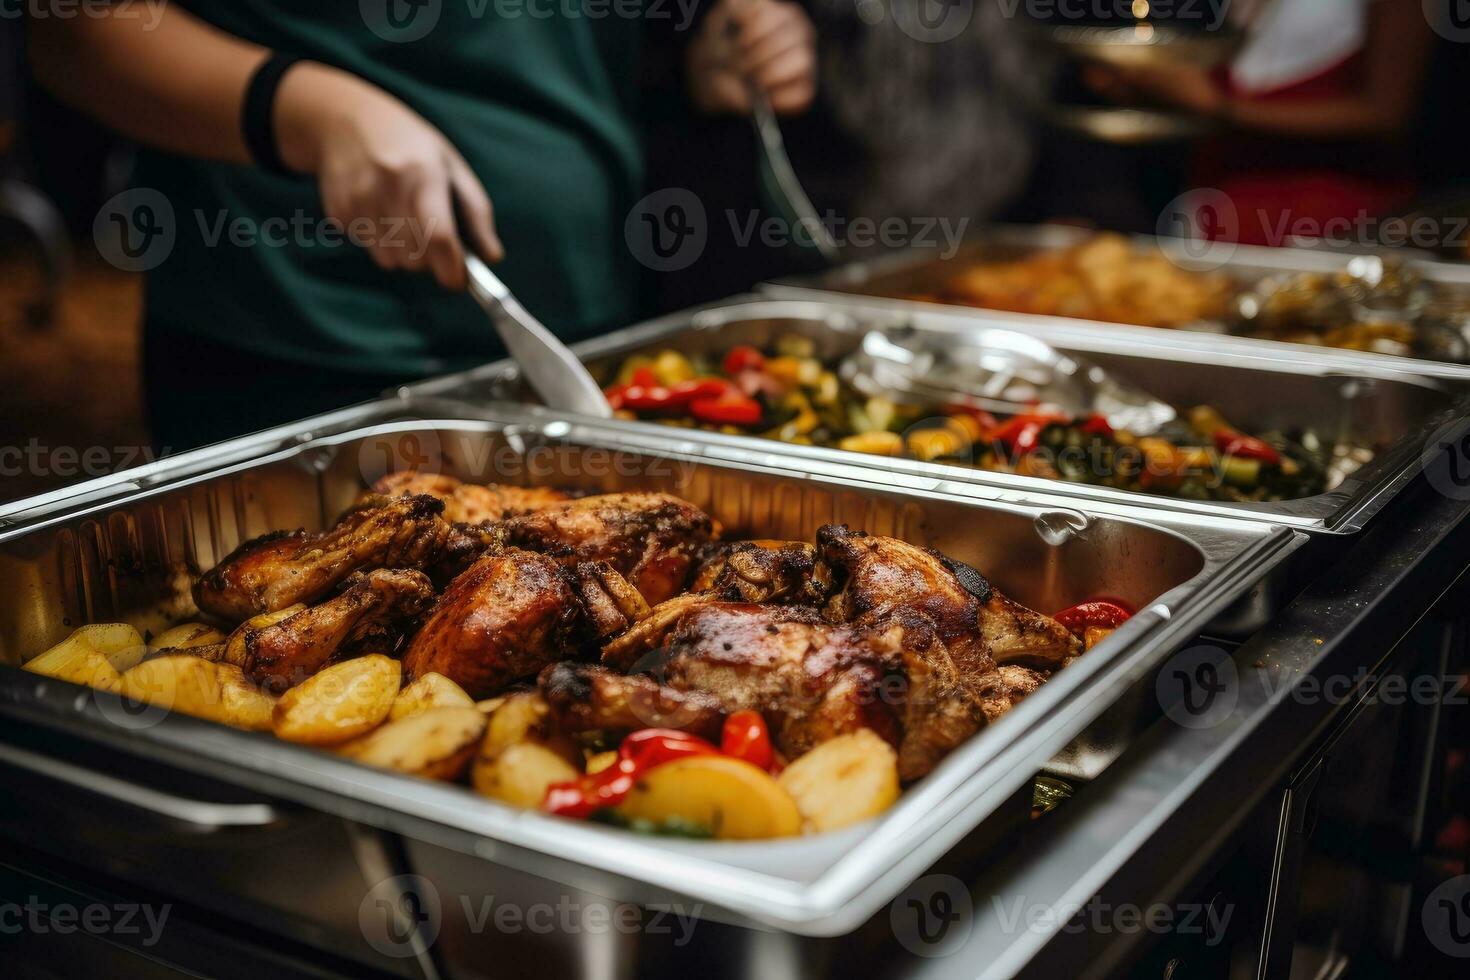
<point>789,394</point>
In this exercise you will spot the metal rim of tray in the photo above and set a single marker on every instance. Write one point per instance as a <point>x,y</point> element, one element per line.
<point>933,815</point>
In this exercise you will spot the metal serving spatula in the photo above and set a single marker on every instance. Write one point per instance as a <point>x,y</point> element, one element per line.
<point>550,367</point>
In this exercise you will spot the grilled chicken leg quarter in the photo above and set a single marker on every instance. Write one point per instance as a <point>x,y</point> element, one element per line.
<point>369,616</point>
<point>651,539</point>
<point>282,569</point>
<point>812,680</point>
<point>881,578</point>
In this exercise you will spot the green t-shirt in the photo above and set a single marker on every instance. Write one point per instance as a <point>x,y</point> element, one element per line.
<point>540,107</point>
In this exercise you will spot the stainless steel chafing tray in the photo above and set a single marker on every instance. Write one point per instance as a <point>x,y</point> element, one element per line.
<point>1388,405</point>
<point>921,271</point>
<point>105,554</point>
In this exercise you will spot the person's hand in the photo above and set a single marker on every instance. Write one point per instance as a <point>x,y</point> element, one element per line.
<point>770,44</point>
<point>384,172</point>
<point>1180,86</point>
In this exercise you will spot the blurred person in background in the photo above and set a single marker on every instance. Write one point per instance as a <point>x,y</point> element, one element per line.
<point>916,118</point>
<point>1314,113</point>
<point>273,116</point>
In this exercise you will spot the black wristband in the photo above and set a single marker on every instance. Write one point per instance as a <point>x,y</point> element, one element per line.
<point>257,118</point>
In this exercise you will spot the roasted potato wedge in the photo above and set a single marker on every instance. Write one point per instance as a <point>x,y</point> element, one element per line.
<point>845,779</point>
<point>520,774</point>
<point>521,718</point>
<point>93,655</point>
<point>187,636</point>
<point>245,705</point>
<point>430,691</point>
<point>518,718</point>
<point>339,703</point>
<point>436,744</point>
<point>734,799</point>
<point>202,688</point>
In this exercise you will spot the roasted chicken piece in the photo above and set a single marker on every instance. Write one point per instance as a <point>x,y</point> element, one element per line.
<point>651,539</point>
<point>282,569</point>
<point>881,578</point>
<point>370,615</point>
<point>810,679</point>
<point>783,572</point>
<point>585,697</point>
<point>466,503</point>
<point>612,604</point>
<point>762,571</point>
<point>505,618</point>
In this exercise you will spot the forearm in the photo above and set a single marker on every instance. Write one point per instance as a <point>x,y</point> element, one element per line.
<point>164,78</point>
<point>1344,118</point>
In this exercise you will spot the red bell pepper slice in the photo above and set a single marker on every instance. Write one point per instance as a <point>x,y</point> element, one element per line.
<point>1232,443</point>
<point>685,392</point>
<point>729,409</point>
<point>1022,433</point>
<point>615,396</point>
<point>1107,613</point>
<point>643,377</point>
<point>743,358</point>
<point>640,752</point>
<point>1096,425</point>
<point>746,737</point>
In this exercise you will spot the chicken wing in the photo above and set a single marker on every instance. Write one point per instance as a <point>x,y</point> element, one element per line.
<point>370,615</point>
<point>505,618</point>
<point>651,539</point>
<point>467,503</point>
<point>881,577</point>
<point>282,569</point>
